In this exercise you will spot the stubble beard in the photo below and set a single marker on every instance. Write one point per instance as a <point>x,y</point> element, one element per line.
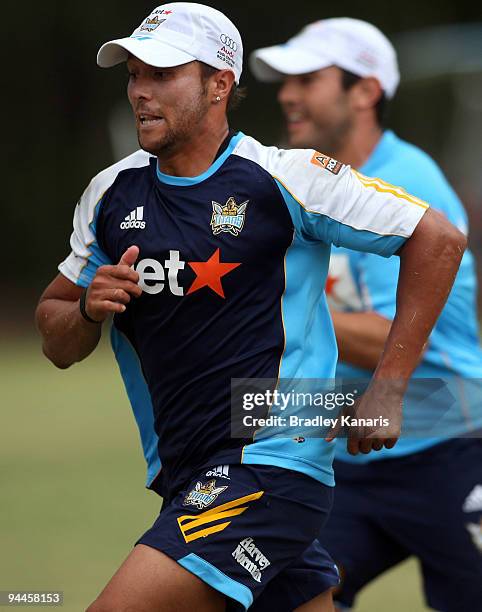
<point>184,128</point>
<point>327,136</point>
<point>333,139</point>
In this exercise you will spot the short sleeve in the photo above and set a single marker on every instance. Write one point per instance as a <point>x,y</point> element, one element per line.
<point>86,255</point>
<point>330,202</point>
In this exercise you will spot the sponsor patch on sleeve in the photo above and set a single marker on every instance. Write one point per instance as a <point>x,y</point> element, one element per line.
<point>328,163</point>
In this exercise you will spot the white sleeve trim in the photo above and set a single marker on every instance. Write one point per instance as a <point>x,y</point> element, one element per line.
<point>83,237</point>
<point>345,196</point>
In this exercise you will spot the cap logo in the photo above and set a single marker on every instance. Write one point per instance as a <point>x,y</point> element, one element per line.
<point>229,42</point>
<point>226,56</point>
<point>367,59</point>
<point>151,23</point>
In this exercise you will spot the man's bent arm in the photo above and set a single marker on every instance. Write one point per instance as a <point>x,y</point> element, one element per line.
<point>429,261</point>
<point>67,336</point>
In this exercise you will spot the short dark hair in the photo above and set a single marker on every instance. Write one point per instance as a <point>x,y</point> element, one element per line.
<point>348,79</point>
<point>236,95</point>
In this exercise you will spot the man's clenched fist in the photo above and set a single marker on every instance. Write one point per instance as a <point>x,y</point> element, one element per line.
<point>113,287</point>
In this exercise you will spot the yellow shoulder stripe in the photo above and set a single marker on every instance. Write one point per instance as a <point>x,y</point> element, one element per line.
<point>384,187</point>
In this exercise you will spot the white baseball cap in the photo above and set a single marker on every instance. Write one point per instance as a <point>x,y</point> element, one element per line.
<point>178,33</point>
<point>351,44</point>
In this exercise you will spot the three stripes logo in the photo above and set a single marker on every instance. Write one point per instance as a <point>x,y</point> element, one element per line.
<point>221,471</point>
<point>212,521</point>
<point>134,220</point>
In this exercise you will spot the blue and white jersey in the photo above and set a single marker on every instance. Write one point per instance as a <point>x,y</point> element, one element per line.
<point>232,265</point>
<point>364,282</point>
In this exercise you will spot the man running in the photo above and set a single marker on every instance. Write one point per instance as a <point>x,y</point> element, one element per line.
<point>211,250</point>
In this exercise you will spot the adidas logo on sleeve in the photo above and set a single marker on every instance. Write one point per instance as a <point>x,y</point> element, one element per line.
<point>134,220</point>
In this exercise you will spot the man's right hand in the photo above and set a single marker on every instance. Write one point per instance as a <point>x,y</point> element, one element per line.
<point>112,287</point>
<point>380,407</point>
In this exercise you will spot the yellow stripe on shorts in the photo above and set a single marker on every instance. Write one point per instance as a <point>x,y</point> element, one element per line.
<point>187,522</point>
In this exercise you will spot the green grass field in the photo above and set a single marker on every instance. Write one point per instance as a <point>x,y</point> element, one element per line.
<point>72,474</point>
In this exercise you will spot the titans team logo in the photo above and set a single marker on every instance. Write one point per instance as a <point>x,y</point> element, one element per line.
<point>151,23</point>
<point>203,494</point>
<point>228,218</point>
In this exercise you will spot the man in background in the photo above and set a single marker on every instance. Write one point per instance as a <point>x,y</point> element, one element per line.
<point>424,496</point>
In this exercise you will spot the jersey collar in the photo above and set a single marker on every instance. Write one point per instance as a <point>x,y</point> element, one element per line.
<point>187,181</point>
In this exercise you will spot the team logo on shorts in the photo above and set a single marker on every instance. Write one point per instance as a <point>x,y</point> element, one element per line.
<point>203,495</point>
<point>327,163</point>
<point>475,531</point>
<point>228,218</point>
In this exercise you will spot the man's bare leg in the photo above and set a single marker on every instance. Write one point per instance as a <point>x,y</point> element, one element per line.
<point>150,581</point>
<point>321,603</point>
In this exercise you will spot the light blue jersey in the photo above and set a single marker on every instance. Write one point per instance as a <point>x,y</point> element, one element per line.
<point>362,281</point>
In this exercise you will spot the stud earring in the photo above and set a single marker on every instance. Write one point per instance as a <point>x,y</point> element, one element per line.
<point>218,99</point>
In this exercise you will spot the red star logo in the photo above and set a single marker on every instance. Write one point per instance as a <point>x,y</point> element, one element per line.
<point>167,12</point>
<point>330,283</point>
<point>209,273</point>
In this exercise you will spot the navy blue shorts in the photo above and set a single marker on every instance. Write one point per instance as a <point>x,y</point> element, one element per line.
<point>428,504</point>
<point>250,532</point>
